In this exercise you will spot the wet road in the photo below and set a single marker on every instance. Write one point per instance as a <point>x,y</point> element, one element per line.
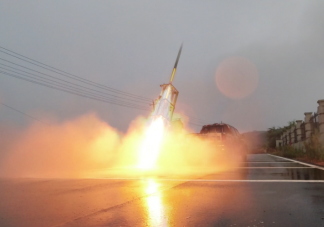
<point>265,191</point>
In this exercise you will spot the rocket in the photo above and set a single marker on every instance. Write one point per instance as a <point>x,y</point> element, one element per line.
<point>164,105</point>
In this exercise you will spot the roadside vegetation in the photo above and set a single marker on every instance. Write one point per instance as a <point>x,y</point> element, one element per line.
<point>274,133</point>
<point>313,150</point>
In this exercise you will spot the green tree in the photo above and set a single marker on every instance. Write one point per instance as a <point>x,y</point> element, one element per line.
<point>274,133</point>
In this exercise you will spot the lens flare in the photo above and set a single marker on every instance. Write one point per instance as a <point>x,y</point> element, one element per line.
<point>237,77</point>
<point>149,151</point>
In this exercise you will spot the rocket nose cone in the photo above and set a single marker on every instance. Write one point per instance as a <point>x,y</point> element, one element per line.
<point>175,65</point>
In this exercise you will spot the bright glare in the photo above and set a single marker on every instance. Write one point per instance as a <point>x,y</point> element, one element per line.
<point>149,151</point>
<point>156,214</point>
<point>152,187</point>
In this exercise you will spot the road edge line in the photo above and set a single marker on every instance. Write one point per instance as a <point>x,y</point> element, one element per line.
<point>303,163</point>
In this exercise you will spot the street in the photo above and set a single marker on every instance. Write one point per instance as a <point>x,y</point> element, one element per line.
<point>265,191</point>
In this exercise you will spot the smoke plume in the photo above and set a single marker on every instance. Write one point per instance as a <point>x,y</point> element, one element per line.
<point>89,147</point>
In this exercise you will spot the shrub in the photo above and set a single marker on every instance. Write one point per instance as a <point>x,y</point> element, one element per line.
<point>314,149</point>
<point>291,152</point>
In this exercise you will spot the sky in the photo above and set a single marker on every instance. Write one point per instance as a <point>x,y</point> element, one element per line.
<point>132,45</point>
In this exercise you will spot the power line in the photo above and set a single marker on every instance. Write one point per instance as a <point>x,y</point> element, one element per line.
<point>115,96</point>
<point>74,77</point>
<point>60,85</point>
<point>73,92</point>
<point>10,107</point>
<point>66,74</point>
<point>61,79</point>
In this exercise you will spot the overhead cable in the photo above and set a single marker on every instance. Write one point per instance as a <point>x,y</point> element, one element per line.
<point>10,107</point>
<point>66,74</point>
<point>65,81</point>
<point>58,84</point>
<point>74,92</point>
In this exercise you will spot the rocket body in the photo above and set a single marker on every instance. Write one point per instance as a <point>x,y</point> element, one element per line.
<point>164,105</point>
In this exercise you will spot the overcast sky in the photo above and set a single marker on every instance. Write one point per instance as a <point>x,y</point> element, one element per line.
<point>132,46</point>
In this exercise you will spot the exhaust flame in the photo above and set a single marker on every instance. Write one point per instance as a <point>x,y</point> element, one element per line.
<point>149,151</point>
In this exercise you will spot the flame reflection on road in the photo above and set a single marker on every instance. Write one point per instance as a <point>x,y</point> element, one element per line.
<point>154,203</point>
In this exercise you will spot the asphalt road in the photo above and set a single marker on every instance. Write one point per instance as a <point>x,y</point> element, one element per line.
<point>265,191</point>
